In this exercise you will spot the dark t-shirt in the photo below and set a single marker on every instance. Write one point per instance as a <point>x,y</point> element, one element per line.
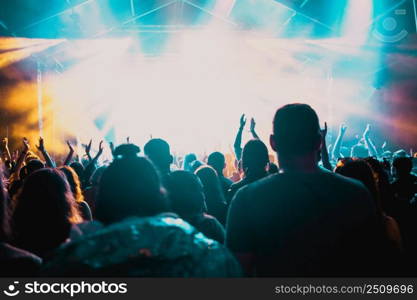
<point>225,183</point>
<point>304,224</point>
<point>405,188</point>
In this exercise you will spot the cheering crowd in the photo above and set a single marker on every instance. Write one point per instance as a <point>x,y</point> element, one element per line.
<point>318,211</point>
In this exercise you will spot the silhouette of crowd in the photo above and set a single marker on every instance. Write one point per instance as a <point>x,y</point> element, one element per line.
<point>315,211</point>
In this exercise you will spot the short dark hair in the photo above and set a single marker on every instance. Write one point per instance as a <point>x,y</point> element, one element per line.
<point>296,129</point>
<point>216,160</point>
<point>403,165</point>
<point>126,150</point>
<point>156,148</point>
<point>158,151</point>
<point>130,186</point>
<point>255,156</point>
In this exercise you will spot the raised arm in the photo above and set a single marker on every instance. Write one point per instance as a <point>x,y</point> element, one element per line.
<point>5,150</point>
<point>112,148</point>
<point>338,144</point>
<point>48,160</point>
<point>89,169</point>
<point>238,140</point>
<point>70,154</point>
<point>252,129</point>
<point>87,149</point>
<point>368,142</point>
<point>324,153</point>
<point>21,158</point>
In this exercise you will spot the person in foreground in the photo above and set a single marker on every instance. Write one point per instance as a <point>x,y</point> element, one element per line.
<point>137,236</point>
<point>14,262</point>
<point>303,221</point>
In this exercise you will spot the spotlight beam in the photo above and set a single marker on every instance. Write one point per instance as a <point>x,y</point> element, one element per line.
<point>415,12</point>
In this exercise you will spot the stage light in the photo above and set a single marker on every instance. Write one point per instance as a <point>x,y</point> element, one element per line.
<point>193,97</point>
<point>357,21</point>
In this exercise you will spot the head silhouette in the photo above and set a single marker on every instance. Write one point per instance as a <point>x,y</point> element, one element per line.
<point>360,170</point>
<point>402,166</point>
<point>185,193</point>
<point>211,183</point>
<point>126,150</point>
<point>188,160</point>
<point>31,166</point>
<point>158,151</point>
<point>217,161</point>
<point>296,130</point>
<point>255,157</point>
<point>130,186</point>
<point>195,165</point>
<point>296,136</point>
<point>44,211</point>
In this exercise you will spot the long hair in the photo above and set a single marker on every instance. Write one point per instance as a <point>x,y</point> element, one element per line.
<point>74,182</point>
<point>215,200</point>
<point>211,184</point>
<point>44,212</point>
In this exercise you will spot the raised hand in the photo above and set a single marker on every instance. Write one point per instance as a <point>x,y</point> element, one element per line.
<point>5,148</point>
<point>88,147</point>
<point>71,149</point>
<point>342,128</point>
<point>26,146</point>
<point>252,125</point>
<point>100,149</point>
<point>15,155</point>
<point>367,130</point>
<point>41,146</point>
<point>324,151</point>
<point>111,147</point>
<point>5,143</point>
<point>242,121</point>
<point>70,154</point>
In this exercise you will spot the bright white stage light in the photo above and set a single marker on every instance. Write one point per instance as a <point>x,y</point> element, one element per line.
<point>194,95</point>
<point>357,21</point>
